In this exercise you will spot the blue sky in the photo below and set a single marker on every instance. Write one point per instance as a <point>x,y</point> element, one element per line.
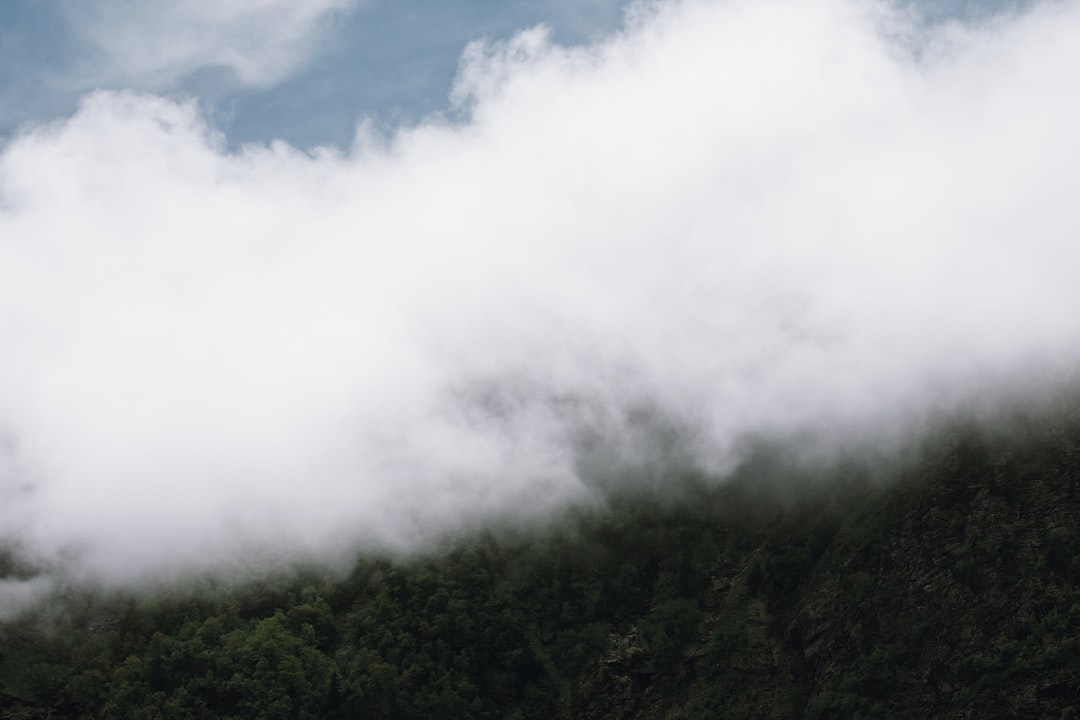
<point>393,62</point>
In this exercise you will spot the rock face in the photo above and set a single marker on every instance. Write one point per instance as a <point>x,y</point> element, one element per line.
<point>945,584</point>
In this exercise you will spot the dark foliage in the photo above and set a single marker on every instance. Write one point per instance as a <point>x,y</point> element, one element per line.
<point>950,591</point>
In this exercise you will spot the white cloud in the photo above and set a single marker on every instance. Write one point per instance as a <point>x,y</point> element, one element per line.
<point>745,217</point>
<point>155,45</point>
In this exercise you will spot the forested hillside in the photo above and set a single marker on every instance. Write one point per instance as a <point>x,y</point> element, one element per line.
<point>945,584</point>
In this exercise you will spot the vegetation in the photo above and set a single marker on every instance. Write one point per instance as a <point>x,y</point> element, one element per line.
<point>951,590</point>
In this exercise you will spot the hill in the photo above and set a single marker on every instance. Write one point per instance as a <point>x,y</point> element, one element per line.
<point>943,584</point>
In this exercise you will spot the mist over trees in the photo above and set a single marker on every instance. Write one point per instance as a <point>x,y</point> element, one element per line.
<point>940,584</point>
<point>710,368</point>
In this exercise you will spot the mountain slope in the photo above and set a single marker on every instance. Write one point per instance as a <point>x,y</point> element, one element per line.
<point>939,585</point>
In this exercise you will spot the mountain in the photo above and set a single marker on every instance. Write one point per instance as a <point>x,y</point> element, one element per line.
<point>941,582</point>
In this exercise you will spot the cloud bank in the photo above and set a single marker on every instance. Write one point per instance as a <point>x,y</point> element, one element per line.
<point>735,219</point>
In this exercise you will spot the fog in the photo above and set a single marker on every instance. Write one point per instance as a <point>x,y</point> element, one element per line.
<point>732,220</point>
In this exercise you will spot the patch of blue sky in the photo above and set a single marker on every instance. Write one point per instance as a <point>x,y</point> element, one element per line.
<point>36,48</point>
<point>395,63</point>
<point>392,62</point>
<point>389,62</point>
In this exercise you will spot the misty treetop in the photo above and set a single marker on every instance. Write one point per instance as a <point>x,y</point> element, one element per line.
<point>944,585</point>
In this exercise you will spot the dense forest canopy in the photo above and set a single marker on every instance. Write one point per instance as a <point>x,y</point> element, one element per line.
<point>940,584</point>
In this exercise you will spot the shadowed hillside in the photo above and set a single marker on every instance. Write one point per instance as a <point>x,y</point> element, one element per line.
<point>941,586</point>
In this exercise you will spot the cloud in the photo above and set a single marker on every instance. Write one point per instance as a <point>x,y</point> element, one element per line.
<point>154,45</point>
<point>733,220</point>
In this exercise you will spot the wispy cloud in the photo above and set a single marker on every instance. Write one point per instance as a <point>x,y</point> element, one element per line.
<point>745,218</point>
<point>154,45</point>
